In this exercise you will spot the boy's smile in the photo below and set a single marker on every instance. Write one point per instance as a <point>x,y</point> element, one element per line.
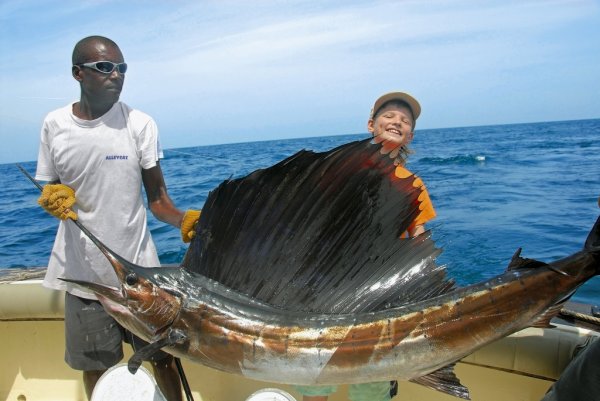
<point>392,126</point>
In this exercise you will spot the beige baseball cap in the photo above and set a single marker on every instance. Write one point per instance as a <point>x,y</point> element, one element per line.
<point>405,97</point>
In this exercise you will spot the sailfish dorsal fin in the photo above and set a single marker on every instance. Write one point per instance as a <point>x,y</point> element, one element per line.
<point>319,232</point>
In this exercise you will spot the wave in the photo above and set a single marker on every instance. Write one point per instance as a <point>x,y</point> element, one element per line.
<point>460,159</point>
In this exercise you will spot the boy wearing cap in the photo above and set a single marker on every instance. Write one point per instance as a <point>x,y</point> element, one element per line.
<point>392,124</point>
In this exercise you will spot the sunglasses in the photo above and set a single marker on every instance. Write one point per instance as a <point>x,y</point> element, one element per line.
<point>105,67</point>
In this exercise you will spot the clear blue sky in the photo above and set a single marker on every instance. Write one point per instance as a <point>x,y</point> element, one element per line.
<point>213,72</point>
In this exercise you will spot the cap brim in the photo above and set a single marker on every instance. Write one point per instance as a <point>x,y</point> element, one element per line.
<point>414,105</point>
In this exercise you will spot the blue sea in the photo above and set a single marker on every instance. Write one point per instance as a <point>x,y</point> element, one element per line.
<point>495,189</point>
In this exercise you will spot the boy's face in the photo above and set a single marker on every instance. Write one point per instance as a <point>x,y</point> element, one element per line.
<point>393,127</point>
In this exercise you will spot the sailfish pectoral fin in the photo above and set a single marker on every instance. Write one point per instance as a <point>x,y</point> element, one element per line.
<point>146,352</point>
<point>543,321</point>
<point>444,380</point>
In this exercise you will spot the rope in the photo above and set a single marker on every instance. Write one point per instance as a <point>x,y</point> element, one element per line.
<point>580,316</point>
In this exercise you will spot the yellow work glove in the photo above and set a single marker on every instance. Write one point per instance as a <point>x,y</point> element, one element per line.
<point>188,225</point>
<point>57,200</point>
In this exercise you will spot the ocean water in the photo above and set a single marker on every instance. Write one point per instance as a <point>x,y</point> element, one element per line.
<point>495,189</point>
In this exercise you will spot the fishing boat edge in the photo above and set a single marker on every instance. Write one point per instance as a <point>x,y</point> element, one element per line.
<point>519,367</point>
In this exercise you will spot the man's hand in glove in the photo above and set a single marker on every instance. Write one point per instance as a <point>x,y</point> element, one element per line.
<point>57,200</point>
<point>188,225</point>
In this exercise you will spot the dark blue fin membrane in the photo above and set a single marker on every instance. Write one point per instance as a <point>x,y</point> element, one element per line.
<point>319,232</point>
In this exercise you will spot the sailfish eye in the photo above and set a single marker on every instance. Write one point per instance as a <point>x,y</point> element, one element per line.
<point>131,279</point>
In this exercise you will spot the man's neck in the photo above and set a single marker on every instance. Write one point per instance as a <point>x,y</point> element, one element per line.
<point>88,111</point>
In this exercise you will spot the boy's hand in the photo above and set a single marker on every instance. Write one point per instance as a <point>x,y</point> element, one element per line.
<point>57,200</point>
<point>188,225</point>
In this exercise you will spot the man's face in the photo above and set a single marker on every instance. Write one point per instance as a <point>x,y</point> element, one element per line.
<point>96,86</point>
<point>393,127</point>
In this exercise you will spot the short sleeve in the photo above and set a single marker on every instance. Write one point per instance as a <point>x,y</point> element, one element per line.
<point>149,145</point>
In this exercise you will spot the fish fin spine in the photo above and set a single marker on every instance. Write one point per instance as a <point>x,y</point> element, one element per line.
<point>518,263</point>
<point>543,321</point>
<point>445,381</point>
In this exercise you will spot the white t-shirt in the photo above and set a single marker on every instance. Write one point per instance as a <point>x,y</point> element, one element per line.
<point>102,160</point>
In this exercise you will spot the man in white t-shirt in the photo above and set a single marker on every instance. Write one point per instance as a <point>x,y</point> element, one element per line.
<point>96,154</point>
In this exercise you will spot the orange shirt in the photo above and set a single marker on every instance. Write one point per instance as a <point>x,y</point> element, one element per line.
<point>427,212</point>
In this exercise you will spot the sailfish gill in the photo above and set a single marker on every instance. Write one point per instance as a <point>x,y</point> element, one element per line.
<point>297,275</point>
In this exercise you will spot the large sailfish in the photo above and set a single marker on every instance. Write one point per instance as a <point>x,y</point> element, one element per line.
<point>297,274</point>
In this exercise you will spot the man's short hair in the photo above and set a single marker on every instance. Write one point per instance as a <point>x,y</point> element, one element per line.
<point>81,50</point>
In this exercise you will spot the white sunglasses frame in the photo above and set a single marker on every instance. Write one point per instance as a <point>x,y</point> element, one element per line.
<point>92,65</point>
